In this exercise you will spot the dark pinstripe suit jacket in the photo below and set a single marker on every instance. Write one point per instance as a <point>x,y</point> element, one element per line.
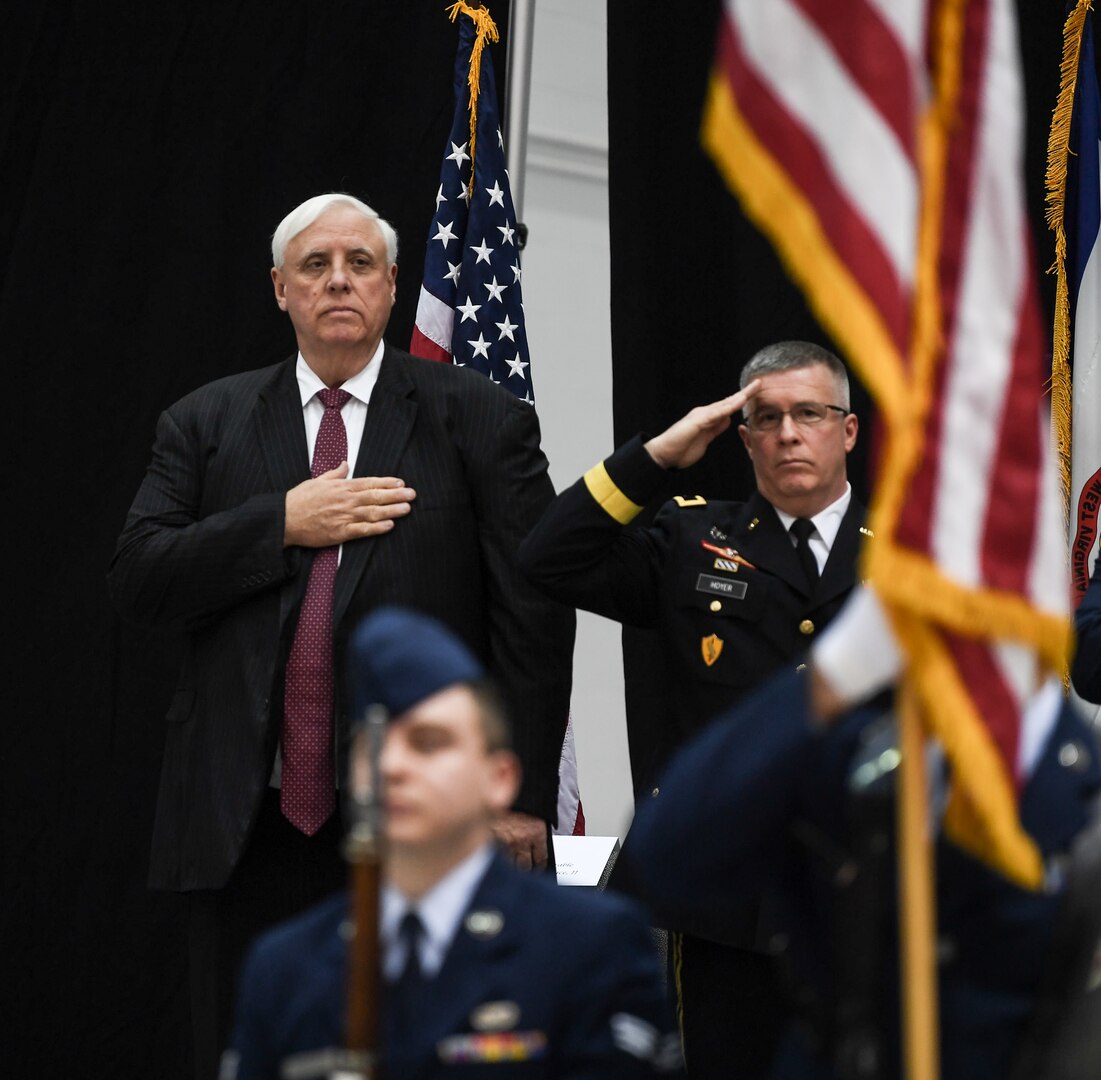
<point>203,546</point>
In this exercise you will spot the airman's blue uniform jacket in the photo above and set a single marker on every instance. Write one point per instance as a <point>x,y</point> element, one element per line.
<point>563,984</point>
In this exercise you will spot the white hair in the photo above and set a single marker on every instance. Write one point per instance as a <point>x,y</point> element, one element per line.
<point>305,214</point>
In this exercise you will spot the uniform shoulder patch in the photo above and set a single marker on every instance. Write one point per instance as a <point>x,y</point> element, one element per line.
<point>683,500</point>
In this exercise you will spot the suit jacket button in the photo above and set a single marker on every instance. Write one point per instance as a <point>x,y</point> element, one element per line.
<point>806,627</point>
<point>716,605</point>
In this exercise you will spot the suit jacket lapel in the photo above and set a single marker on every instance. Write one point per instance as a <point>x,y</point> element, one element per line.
<point>281,438</point>
<point>389,424</point>
<point>281,431</point>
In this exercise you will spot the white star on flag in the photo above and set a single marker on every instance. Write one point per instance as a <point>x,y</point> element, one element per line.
<point>468,309</point>
<point>481,346</point>
<point>445,235</point>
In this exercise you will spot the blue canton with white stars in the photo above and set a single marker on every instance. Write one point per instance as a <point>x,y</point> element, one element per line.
<point>472,261</point>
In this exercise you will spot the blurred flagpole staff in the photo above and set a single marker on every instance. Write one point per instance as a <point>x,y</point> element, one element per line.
<point>364,850</point>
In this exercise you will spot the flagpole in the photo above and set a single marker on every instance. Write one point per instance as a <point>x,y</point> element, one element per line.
<point>916,913</point>
<point>521,33</point>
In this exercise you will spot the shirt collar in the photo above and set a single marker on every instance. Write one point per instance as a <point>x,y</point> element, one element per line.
<point>359,385</point>
<point>827,521</point>
<point>443,906</point>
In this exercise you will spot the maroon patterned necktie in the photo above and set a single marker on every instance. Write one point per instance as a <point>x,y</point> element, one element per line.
<point>308,797</point>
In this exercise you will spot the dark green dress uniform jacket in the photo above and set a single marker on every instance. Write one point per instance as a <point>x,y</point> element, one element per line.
<point>720,580</point>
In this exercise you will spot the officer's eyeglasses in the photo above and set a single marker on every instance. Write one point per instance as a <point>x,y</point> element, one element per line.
<point>804,413</point>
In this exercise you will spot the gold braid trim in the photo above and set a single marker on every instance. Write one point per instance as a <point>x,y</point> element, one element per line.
<point>1055,183</point>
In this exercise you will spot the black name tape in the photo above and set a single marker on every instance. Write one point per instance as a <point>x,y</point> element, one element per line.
<point>708,583</point>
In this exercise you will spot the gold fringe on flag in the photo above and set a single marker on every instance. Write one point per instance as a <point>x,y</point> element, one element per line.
<point>487,28</point>
<point>1058,150</point>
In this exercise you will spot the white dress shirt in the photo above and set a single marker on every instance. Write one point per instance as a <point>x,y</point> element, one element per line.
<point>354,413</point>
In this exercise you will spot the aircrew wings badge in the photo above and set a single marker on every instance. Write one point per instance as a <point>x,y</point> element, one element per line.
<point>711,647</point>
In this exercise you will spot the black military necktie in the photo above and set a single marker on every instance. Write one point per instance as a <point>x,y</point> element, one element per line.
<point>406,990</point>
<point>801,528</point>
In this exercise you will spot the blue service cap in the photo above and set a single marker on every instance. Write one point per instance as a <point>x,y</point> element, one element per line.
<point>399,657</point>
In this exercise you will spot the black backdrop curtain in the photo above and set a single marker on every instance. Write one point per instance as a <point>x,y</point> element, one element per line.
<point>695,289</point>
<point>147,151</point>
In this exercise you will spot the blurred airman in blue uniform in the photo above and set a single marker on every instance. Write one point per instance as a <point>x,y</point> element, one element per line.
<point>488,971</point>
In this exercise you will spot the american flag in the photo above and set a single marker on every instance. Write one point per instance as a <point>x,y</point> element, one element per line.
<point>879,144</point>
<point>471,310</point>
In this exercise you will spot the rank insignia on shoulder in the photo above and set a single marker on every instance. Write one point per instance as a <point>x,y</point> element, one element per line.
<point>495,1016</point>
<point>682,501</point>
<point>867,532</point>
<point>711,648</point>
<point>499,1046</point>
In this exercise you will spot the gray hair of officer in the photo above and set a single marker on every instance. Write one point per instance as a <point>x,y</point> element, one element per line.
<point>305,214</point>
<point>789,355</point>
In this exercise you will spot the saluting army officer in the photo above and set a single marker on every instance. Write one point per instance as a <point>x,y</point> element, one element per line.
<point>737,590</point>
<point>489,971</point>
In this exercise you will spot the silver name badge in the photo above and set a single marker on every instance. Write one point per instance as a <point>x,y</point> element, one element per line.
<point>708,583</point>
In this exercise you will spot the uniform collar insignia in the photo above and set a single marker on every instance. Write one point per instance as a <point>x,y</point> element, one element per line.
<point>486,923</point>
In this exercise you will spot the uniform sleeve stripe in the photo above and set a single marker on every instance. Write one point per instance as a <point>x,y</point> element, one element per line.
<point>611,499</point>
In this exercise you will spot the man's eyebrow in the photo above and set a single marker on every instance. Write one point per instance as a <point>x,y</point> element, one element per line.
<point>326,253</point>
